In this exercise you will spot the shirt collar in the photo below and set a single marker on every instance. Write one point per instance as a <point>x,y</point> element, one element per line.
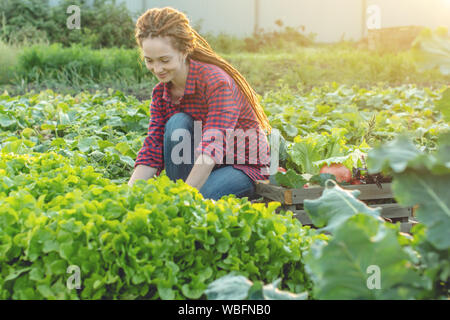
<point>190,82</point>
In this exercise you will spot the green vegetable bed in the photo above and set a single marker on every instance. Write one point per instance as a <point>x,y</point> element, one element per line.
<point>68,218</point>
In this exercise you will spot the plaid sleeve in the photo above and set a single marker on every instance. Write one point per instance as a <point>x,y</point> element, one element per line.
<point>151,153</point>
<point>223,115</point>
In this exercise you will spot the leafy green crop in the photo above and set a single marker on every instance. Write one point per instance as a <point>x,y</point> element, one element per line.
<point>367,258</point>
<point>342,268</point>
<point>335,206</point>
<point>232,287</point>
<point>106,130</point>
<point>63,203</point>
<point>432,50</point>
<point>422,180</point>
<point>158,239</point>
<point>419,179</point>
<point>289,179</point>
<point>341,123</point>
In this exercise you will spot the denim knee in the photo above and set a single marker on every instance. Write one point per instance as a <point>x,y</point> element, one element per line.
<point>179,120</point>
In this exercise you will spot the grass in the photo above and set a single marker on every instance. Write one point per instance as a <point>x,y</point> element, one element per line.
<point>309,67</point>
<point>70,70</point>
<point>8,61</point>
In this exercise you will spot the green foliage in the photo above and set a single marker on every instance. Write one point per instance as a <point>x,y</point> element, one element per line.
<point>433,265</point>
<point>303,69</point>
<point>443,104</point>
<point>158,239</point>
<point>309,153</point>
<point>290,179</point>
<point>339,124</point>
<point>394,155</point>
<point>422,179</point>
<point>105,130</point>
<point>287,38</point>
<point>322,178</point>
<point>300,70</point>
<point>336,205</point>
<point>432,50</point>
<point>161,240</point>
<point>99,26</point>
<point>24,21</point>
<point>232,287</point>
<point>365,258</point>
<point>431,193</point>
<point>79,64</point>
<point>341,269</point>
<point>8,62</point>
<point>108,129</point>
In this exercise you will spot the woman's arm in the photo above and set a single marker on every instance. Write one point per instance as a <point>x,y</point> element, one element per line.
<point>200,171</point>
<point>150,158</point>
<point>142,172</point>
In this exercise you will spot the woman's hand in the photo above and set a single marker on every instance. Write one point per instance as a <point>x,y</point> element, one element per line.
<point>200,171</point>
<point>142,172</point>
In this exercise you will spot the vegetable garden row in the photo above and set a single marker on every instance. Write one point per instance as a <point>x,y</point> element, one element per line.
<point>64,202</point>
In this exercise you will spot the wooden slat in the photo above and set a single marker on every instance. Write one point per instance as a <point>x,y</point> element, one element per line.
<point>297,196</point>
<point>288,196</point>
<point>271,192</point>
<point>303,217</point>
<point>391,210</point>
<point>368,192</point>
<point>406,226</point>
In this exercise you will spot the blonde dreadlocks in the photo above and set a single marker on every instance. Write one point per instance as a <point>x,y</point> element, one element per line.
<point>174,24</point>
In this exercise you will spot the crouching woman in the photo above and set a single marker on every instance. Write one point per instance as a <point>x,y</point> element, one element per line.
<point>206,125</point>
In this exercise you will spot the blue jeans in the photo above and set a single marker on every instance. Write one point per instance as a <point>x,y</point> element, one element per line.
<point>222,181</point>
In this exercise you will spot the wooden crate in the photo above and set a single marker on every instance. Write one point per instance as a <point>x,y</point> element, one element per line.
<point>292,199</point>
<point>393,39</point>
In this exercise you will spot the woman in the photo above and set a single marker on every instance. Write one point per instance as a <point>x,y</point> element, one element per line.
<point>205,101</point>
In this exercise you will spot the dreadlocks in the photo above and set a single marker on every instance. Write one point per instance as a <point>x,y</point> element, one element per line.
<point>174,24</point>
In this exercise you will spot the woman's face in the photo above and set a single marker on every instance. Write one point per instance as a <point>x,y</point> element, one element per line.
<point>162,59</point>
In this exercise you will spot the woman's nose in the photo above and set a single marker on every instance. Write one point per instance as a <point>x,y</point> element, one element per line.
<point>157,69</point>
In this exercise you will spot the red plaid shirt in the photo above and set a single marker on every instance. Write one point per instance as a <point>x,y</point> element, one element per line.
<point>212,97</point>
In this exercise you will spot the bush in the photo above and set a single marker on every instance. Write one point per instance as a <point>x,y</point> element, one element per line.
<point>34,23</point>
<point>287,39</point>
<point>224,43</point>
<point>104,24</point>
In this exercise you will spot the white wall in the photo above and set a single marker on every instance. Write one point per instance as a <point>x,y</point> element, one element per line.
<point>234,17</point>
<point>428,13</point>
<point>331,20</point>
